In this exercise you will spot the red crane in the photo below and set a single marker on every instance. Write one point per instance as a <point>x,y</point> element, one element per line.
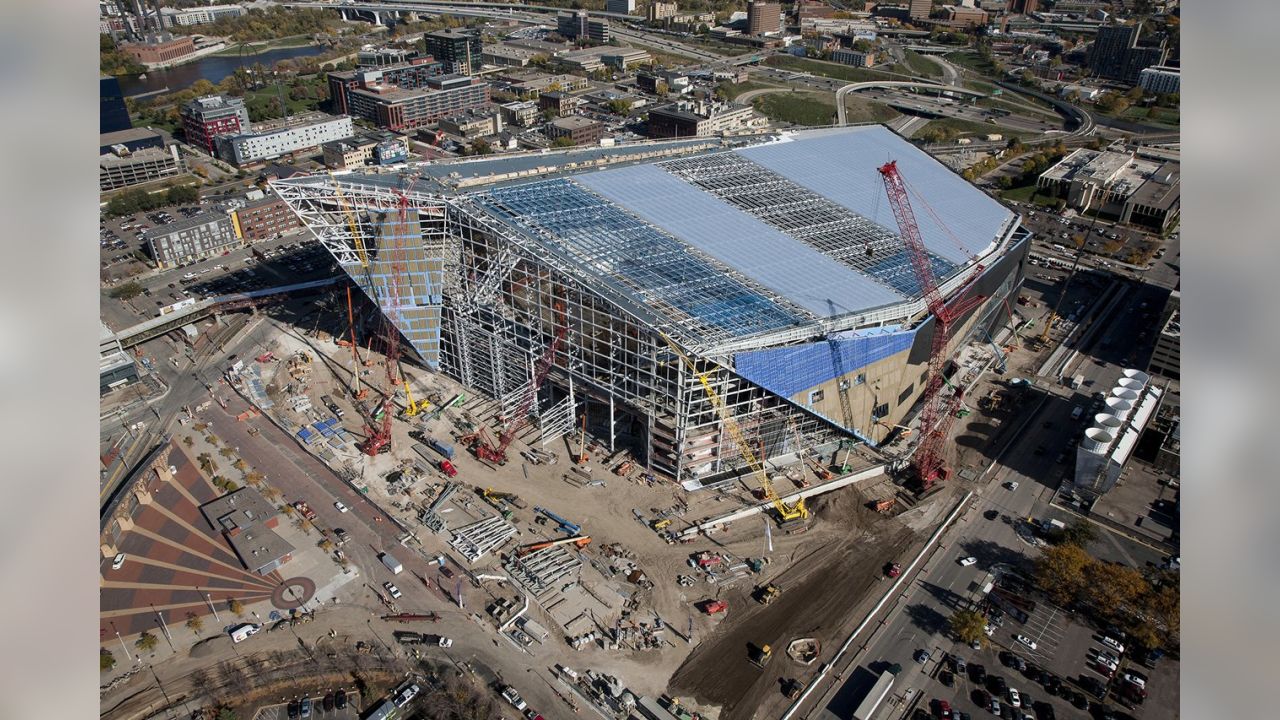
<point>937,411</point>
<point>378,433</point>
<point>498,453</point>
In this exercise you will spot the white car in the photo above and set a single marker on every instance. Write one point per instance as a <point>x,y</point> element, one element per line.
<point>392,590</point>
<point>340,507</point>
<point>1031,644</point>
<point>117,562</point>
<point>967,561</point>
<point>989,630</point>
<point>1015,700</point>
<point>1113,643</point>
<point>1135,679</point>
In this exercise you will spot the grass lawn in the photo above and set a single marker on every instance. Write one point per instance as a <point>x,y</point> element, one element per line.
<point>971,60</point>
<point>1024,194</point>
<point>828,69</point>
<point>967,127</point>
<point>1153,116</point>
<point>920,65</point>
<point>733,90</point>
<point>796,108</point>
<point>252,49</point>
<point>858,110</point>
<point>265,94</point>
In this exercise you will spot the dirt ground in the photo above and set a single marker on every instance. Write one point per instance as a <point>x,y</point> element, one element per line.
<point>831,569</point>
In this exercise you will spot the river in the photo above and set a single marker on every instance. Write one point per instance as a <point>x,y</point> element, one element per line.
<point>211,67</point>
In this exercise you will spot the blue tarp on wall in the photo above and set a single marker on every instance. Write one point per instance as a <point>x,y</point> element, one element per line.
<point>790,370</point>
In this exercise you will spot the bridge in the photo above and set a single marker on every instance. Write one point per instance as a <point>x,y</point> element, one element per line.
<point>895,84</point>
<point>156,327</point>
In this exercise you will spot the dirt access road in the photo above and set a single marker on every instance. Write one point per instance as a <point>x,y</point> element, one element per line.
<point>834,569</point>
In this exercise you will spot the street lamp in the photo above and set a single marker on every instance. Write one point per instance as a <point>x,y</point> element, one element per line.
<point>122,645</point>
<point>209,600</point>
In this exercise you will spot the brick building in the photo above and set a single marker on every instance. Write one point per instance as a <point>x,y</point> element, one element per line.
<point>394,108</point>
<point>161,52</point>
<point>763,17</point>
<point>581,130</point>
<point>407,76</point>
<point>204,119</point>
<point>264,219</point>
<point>194,238</point>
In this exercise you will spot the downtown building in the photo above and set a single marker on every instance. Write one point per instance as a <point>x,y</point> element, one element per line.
<point>204,119</point>
<point>269,141</point>
<point>774,264</point>
<point>395,108</point>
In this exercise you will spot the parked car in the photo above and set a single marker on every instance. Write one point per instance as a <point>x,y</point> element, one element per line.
<point>1031,644</point>
<point>967,561</point>
<point>392,590</point>
<point>340,507</point>
<point>118,561</point>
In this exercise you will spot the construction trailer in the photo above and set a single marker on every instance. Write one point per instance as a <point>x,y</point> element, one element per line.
<point>774,262</point>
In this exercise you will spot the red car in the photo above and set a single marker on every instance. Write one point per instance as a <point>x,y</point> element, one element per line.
<point>447,468</point>
<point>942,709</point>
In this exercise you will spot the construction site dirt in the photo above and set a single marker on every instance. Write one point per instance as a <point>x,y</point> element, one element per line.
<point>828,584</point>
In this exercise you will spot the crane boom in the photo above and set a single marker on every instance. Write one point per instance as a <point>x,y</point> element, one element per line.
<point>794,511</point>
<point>937,411</point>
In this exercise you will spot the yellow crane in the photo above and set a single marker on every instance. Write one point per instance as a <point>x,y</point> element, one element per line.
<point>356,392</point>
<point>414,408</point>
<point>794,511</point>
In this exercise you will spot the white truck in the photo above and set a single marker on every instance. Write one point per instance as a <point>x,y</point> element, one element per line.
<point>392,564</point>
<point>244,631</point>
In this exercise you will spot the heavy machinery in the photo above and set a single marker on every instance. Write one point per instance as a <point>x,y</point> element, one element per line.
<point>711,607</point>
<point>766,594</point>
<point>787,513</point>
<point>501,497</point>
<point>937,411</point>
<point>760,656</point>
<point>412,408</point>
<point>579,541</point>
<point>497,453</point>
<point>565,525</point>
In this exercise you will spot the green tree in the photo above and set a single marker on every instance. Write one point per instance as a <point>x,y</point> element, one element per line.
<point>619,106</point>
<point>562,142</point>
<point>968,626</point>
<point>1061,572</point>
<point>226,713</point>
<point>182,194</point>
<point>146,642</point>
<point>1112,589</point>
<point>127,291</point>
<point>106,660</point>
<point>481,147</point>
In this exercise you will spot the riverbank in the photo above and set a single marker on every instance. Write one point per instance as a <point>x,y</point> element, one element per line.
<point>261,46</point>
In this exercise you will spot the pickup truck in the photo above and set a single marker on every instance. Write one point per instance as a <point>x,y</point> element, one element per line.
<point>305,510</point>
<point>447,468</point>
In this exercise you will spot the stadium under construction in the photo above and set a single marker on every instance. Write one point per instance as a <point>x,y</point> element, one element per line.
<point>773,263</point>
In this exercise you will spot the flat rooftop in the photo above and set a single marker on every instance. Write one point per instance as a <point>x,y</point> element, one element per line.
<point>238,510</point>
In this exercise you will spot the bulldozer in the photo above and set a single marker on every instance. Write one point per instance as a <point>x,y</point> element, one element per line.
<point>761,656</point>
<point>766,594</point>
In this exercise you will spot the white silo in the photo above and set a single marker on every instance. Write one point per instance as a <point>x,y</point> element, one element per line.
<point>1096,440</point>
<point>1137,375</point>
<point>1119,407</point>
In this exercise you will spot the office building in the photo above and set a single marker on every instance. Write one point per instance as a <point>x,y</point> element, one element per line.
<point>763,17</point>
<point>472,123</point>
<point>193,238</point>
<point>578,25</point>
<point>204,119</point>
<point>248,521</point>
<point>774,264</point>
<point>1118,185</point>
<point>698,119</point>
<point>524,113</point>
<point>856,58</point>
<point>508,55</point>
<point>919,9</point>
<point>659,11</point>
<point>580,130</point>
<point>113,114</point>
<point>394,108</point>
<point>370,56</point>
<point>458,50</point>
<point>559,103</point>
<point>621,7</point>
<point>958,16</point>
<point>1021,7</point>
<point>1161,79</point>
<point>408,76</point>
<point>199,15</point>
<point>268,141</point>
<point>1120,52</point>
<point>1166,358</point>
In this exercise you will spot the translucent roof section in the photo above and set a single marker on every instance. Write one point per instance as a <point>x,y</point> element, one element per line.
<point>829,228</point>
<point>840,164</point>
<point>777,261</point>
<point>661,270</point>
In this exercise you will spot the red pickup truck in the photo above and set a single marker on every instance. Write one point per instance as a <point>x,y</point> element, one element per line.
<point>447,468</point>
<point>305,509</point>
